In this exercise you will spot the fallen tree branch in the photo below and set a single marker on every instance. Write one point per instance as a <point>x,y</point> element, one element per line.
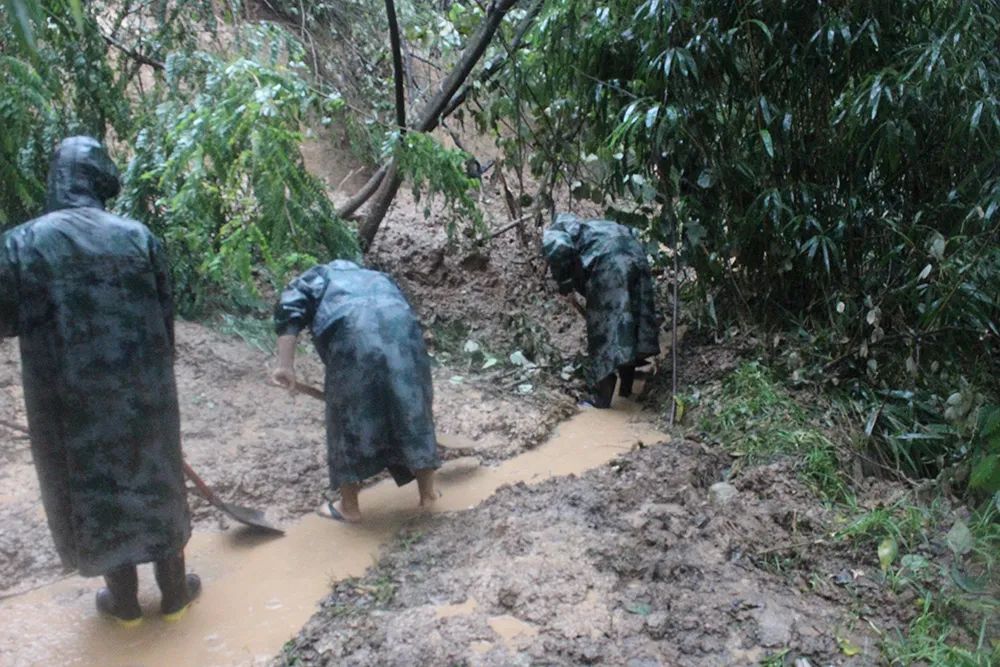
<point>133,54</point>
<point>512,225</point>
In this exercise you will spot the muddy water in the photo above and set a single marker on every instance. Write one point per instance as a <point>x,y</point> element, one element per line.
<point>259,592</point>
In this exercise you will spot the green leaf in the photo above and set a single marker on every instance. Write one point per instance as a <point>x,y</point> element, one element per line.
<point>847,647</point>
<point>765,136</point>
<point>960,539</point>
<point>24,13</point>
<point>985,475</point>
<point>887,550</point>
<point>977,112</point>
<point>639,608</point>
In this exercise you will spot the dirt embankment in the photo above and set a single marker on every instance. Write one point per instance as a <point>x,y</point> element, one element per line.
<point>252,442</point>
<point>630,564</point>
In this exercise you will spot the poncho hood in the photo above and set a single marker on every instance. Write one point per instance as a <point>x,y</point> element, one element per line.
<point>81,175</point>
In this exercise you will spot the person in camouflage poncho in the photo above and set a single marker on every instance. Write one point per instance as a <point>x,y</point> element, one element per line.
<point>605,263</point>
<point>87,294</point>
<point>378,378</point>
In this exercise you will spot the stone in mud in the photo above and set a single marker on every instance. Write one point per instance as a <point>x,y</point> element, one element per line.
<point>721,493</point>
<point>656,625</point>
<point>643,661</point>
<point>774,627</point>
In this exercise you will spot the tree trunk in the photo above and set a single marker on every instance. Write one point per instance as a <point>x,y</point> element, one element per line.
<point>429,117</point>
<point>397,65</point>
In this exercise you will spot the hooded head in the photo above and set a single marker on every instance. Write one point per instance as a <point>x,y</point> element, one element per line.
<point>81,174</point>
<point>566,222</point>
<point>559,250</point>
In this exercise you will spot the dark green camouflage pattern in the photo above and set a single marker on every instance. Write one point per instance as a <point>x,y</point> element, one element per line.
<point>605,263</point>
<point>87,295</point>
<point>379,394</point>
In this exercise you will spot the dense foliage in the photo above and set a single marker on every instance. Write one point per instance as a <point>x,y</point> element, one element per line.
<point>833,169</point>
<point>211,144</point>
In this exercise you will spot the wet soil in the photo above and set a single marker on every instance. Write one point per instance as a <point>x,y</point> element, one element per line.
<point>260,590</point>
<point>253,443</point>
<point>629,564</point>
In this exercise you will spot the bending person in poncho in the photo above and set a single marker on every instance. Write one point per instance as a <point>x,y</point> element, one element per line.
<point>87,293</point>
<point>605,263</point>
<point>378,378</point>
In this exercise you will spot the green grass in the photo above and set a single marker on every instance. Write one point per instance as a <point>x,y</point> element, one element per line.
<point>754,416</point>
<point>929,640</point>
<point>254,331</point>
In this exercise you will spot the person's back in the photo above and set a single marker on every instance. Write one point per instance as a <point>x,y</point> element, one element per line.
<point>87,294</point>
<point>601,240</point>
<point>378,385</point>
<point>605,263</point>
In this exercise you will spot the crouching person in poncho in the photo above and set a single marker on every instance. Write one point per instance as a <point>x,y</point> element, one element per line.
<point>87,294</point>
<point>605,263</point>
<point>378,378</point>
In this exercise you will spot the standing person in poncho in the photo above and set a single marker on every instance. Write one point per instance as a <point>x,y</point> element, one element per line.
<point>378,378</point>
<point>87,294</point>
<point>605,263</point>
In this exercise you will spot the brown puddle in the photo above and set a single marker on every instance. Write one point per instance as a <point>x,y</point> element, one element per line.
<point>259,592</point>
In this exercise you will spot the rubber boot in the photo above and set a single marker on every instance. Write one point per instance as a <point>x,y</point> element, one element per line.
<point>177,589</point>
<point>603,392</point>
<point>120,600</point>
<point>627,375</point>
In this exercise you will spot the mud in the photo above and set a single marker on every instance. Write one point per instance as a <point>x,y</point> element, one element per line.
<point>259,591</point>
<point>630,564</point>
<point>255,445</point>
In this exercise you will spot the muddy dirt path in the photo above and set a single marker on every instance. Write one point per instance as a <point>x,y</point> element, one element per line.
<point>252,442</point>
<point>636,563</point>
<point>259,592</point>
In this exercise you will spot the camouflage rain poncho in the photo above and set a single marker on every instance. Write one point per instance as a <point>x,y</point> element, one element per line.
<point>605,263</point>
<point>378,377</point>
<point>86,293</point>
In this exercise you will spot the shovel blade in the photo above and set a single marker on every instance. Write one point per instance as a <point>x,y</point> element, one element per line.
<point>250,517</point>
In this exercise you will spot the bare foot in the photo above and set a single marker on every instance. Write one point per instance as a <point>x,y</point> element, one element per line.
<point>336,512</point>
<point>427,501</point>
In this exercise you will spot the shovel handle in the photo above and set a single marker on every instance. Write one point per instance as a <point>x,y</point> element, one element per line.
<point>204,489</point>
<point>310,390</point>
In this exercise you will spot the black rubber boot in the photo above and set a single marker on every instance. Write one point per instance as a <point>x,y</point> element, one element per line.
<point>603,392</point>
<point>120,600</point>
<point>177,589</point>
<point>627,375</point>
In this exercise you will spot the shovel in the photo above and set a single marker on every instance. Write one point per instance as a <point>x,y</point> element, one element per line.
<point>245,515</point>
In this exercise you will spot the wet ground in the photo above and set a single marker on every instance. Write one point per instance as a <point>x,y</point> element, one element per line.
<point>252,442</point>
<point>629,564</point>
<point>259,591</point>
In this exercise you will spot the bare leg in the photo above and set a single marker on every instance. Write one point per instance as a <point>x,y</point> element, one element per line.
<point>121,597</point>
<point>425,485</point>
<point>348,506</point>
